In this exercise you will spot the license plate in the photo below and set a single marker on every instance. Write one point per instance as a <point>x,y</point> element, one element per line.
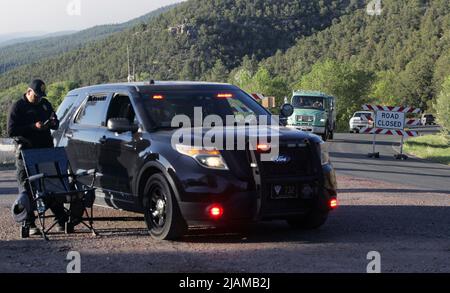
<point>284,191</point>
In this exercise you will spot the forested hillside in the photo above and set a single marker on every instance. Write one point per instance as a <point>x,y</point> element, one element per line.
<point>406,48</point>
<point>400,57</point>
<point>30,51</point>
<point>187,41</point>
<point>11,39</point>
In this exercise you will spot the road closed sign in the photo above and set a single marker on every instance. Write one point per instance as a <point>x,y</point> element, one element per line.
<point>390,120</point>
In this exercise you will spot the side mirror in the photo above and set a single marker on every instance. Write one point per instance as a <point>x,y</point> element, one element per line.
<point>121,125</point>
<point>287,110</point>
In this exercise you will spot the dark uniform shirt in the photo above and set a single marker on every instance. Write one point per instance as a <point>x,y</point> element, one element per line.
<point>22,119</point>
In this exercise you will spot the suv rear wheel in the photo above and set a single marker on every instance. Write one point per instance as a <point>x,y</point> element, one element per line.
<point>313,220</point>
<point>162,214</point>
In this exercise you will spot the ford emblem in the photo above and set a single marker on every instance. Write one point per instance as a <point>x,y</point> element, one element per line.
<point>282,159</point>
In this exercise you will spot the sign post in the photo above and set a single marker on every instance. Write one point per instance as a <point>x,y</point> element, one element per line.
<point>373,154</point>
<point>391,121</point>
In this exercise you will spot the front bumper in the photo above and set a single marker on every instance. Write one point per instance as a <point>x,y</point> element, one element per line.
<point>242,206</point>
<point>358,126</point>
<point>313,129</point>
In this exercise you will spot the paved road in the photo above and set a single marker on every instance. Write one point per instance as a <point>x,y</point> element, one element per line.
<point>406,223</point>
<point>349,156</point>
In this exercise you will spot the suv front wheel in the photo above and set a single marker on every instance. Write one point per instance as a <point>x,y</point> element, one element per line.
<point>162,214</point>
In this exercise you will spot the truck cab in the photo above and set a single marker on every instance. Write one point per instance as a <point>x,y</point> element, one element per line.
<point>314,112</point>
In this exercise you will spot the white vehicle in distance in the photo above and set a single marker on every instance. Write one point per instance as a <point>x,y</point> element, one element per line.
<point>361,119</point>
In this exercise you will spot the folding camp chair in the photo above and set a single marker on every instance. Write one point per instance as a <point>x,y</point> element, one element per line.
<point>51,181</point>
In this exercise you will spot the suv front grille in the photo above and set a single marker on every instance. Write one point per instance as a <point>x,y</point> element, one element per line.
<point>299,173</point>
<point>292,161</point>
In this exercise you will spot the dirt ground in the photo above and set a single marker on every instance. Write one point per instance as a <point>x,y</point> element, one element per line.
<point>408,227</point>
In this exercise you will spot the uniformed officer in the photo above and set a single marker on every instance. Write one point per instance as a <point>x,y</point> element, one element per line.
<point>30,120</point>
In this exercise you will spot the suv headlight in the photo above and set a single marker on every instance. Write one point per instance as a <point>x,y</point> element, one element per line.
<point>207,158</point>
<point>324,155</point>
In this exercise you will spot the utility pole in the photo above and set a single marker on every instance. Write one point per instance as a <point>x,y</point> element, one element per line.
<point>130,77</point>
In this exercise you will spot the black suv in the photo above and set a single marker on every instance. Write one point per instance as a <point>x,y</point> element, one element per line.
<point>126,131</point>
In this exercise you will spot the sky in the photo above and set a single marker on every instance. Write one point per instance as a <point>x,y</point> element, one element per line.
<point>48,16</point>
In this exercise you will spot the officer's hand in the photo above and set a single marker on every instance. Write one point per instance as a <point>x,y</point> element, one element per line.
<point>39,125</point>
<point>53,121</point>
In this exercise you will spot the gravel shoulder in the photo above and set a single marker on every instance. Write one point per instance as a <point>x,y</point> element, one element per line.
<point>408,227</point>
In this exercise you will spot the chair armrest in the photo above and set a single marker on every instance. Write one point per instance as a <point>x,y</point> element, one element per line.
<point>81,173</point>
<point>36,177</point>
<point>91,172</point>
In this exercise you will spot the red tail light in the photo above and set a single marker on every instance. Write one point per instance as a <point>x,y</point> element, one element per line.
<point>215,211</point>
<point>158,97</point>
<point>333,203</point>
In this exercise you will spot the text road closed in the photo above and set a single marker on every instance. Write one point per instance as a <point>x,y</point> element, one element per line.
<point>390,120</point>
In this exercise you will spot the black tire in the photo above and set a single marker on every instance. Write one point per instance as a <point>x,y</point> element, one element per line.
<point>314,220</point>
<point>326,135</point>
<point>161,211</point>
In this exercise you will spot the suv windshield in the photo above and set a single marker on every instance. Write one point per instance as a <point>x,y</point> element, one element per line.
<point>308,102</point>
<point>162,107</point>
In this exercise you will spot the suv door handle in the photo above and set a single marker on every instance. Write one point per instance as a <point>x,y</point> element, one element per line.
<point>102,140</point>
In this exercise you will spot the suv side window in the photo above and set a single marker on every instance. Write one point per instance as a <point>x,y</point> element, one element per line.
<point>121,107</point>
<point>92,111</point>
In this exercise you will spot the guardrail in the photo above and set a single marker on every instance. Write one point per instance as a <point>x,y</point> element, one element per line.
<point>6,151</point>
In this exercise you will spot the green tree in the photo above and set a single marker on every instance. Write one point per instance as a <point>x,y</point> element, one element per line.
<point>384,90</point>
<point>7,98</point>
<point>261,82</point>
<point>416,82</point>
<point>348,84</point>
<point>143,76</point>
<point>442,105</point>
<point>219,73</point>
<point>57,91</point>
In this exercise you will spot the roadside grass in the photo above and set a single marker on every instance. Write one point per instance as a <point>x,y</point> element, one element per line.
<point>435,148</point>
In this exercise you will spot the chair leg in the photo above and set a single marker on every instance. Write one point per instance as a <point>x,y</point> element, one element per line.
<point>41,218</point>
<point>25,231</point>
<point>69,228</point>
<point>90,217</point>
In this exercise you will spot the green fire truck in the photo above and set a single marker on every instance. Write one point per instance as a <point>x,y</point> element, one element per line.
<point>314,112</point>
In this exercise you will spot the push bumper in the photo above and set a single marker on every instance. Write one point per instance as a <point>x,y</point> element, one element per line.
<point>243,206</point>
<point>313,129</point>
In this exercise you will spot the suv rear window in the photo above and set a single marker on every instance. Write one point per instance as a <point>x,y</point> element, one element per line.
<point>92,112</point>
